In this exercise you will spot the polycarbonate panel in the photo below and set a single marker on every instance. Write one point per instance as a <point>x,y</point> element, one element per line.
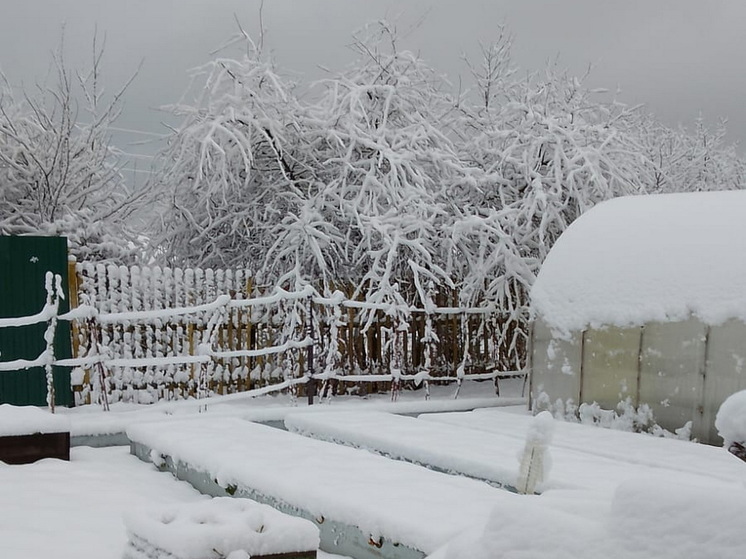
<point>555,369</point>
<point>610,366</point>
<point>672,371</point>
<point>725,374</point>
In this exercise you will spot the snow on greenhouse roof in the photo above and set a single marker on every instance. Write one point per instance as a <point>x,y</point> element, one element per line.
<point>638,259</point>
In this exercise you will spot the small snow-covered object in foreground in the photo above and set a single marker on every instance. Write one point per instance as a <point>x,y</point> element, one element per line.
<point>28,434</point>
<point>216,529</point>
<point>730,422</point>
<point>535,462</point>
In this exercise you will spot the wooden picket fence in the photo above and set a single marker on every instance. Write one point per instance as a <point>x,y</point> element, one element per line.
<point>447,343</point>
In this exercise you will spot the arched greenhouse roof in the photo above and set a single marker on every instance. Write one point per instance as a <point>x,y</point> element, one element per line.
<point>638,259</point>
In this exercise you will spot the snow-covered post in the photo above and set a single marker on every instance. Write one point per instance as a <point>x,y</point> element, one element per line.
<point>461,370</point>
<point>535,460</point>
<point>53,285</point>
<point>209,337</point>
<point>399,336</point>
<point>429,337</point>
<point>100,351</point>
<point>332,354</point>
<point>311,382</point>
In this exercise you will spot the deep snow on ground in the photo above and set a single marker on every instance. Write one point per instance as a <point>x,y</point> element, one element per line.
<point>54,509</point>
<point>75,510</point>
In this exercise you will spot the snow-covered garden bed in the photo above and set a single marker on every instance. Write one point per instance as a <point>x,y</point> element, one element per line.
<point>219,527</point>
<point>28,434</point>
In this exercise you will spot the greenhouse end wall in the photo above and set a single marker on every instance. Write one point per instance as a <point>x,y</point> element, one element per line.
<point>682,370</point>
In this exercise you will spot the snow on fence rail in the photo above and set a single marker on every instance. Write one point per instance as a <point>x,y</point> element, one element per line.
<point>148,334</point>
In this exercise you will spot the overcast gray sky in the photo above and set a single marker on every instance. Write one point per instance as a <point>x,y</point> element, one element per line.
<point>681,58</point>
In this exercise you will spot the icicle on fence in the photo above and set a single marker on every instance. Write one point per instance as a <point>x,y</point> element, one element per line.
<point>355,342</point>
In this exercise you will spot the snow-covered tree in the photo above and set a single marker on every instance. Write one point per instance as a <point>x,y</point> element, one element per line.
<point>680,160</point>
<point>232,169</point>
<point>390,185</point>
<point>387,168</point>
<point>59,174</point>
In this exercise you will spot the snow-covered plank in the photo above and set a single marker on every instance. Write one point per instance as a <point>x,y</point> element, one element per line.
<point>617,454</point>
<point>403,510</point>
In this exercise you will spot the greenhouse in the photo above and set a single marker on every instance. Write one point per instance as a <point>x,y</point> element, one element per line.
<point>643,300</point>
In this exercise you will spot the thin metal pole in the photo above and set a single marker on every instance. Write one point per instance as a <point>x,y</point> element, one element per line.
<point>311,384</point>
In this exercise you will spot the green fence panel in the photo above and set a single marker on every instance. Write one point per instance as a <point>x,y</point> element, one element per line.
<point>24,262</point>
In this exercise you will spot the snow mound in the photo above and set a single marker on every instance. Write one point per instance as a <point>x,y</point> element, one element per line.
<point>648,518</point>
<point>29,420</point>
<point>217,527</point>
<point>730,420</point>
<point>638,259</point>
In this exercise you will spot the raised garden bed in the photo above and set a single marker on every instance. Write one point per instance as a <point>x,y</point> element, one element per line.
<point>221,527</point>
<point>28,434</point>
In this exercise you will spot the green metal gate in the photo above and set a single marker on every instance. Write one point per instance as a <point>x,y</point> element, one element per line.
<point>24,262</point>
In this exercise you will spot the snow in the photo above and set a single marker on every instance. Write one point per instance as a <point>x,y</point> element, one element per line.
<point>90,421</point>
<point>638,259</point>
<point>664,520</point>
<point>489,445</point>
<point>69,510</point>
<point>541,429</point>
<point>221,525</point>
<point>535,462</point>
<point>445,447</point>
<point>29,420</point>
<point>76,509</point>
<point>398,501</point>
<point>628,495</point>
<point>731,419</point>
<point>606,456</point>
